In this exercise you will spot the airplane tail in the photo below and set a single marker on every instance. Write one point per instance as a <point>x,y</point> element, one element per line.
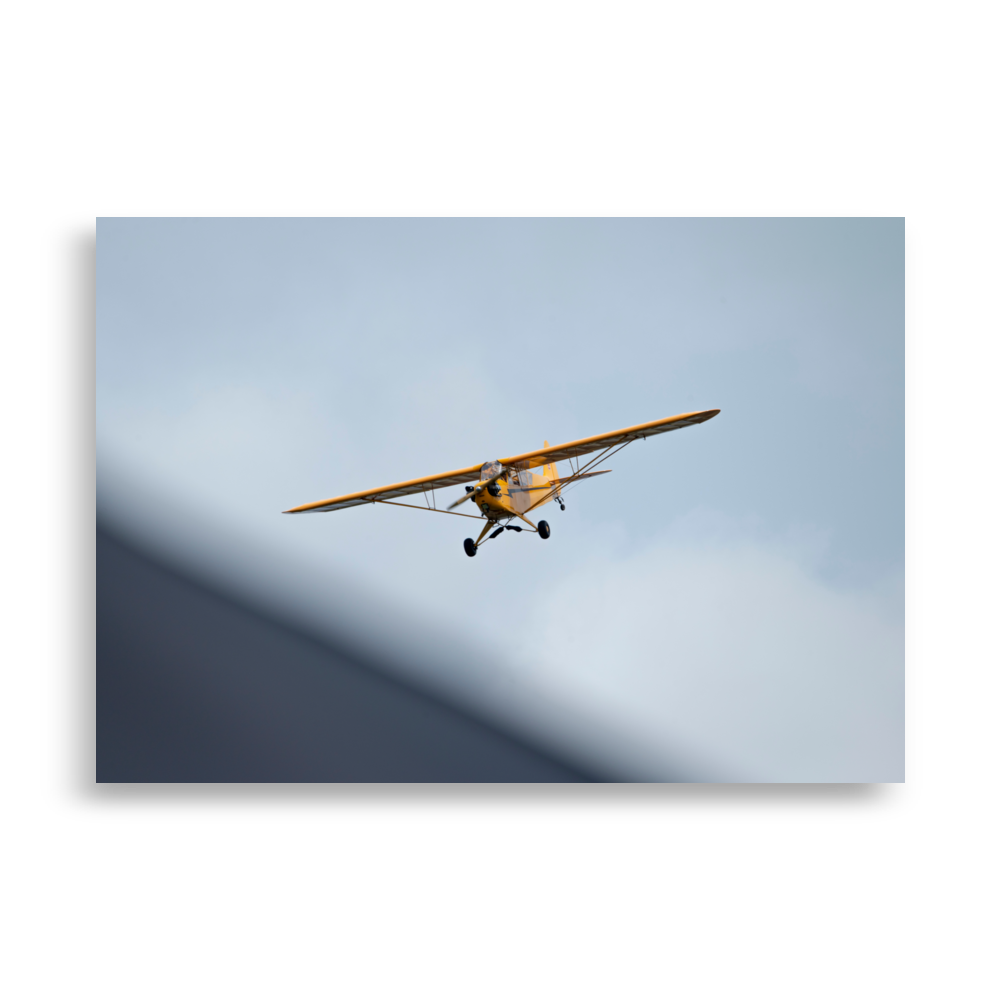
<point>550,471</point>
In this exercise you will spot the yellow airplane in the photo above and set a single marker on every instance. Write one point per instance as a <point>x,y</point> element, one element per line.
<point>506,488</point>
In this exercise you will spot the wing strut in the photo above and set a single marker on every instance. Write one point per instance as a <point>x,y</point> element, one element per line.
<point>612,449</point>
<point>432,510</point>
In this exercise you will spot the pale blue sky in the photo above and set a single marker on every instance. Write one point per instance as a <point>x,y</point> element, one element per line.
<point>250,365</point>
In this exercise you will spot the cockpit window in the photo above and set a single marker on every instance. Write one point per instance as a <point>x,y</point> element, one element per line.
<point>489,470</point>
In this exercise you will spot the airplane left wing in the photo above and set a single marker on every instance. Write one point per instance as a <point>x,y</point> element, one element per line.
<point>411,486</point>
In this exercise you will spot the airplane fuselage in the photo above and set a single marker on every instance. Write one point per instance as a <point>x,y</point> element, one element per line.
<point>513,493</point>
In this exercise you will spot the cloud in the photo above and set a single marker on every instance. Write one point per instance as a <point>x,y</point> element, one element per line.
<point>736,649</point>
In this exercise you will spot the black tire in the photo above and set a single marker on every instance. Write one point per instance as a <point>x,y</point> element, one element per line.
<point>543,529</point>
<point>470,547</point>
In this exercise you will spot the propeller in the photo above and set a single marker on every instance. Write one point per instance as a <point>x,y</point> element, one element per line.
<point>468,496</point>
<point>477,491</point>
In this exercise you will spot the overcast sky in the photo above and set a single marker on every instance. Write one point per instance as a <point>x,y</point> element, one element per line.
<point>735,588</point>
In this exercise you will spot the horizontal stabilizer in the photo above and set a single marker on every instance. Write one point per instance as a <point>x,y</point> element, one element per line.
<point>566,479</point>
<point>573,479</point>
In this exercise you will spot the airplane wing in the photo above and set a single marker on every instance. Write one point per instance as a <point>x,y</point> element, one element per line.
<point>528,460</point>
<point>584,446</point>
<point>469,475</point>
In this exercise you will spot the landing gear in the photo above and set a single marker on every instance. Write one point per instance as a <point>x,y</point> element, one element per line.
<point>471,546</point>
<point>543,529</point>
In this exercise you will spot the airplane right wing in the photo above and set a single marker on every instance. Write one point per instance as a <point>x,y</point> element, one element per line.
<point>584,446</point>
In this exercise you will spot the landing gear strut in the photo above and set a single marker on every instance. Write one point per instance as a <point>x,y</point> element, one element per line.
<point>471,546</point>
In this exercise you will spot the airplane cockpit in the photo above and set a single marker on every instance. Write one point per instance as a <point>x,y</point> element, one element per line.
<point>488,471</point>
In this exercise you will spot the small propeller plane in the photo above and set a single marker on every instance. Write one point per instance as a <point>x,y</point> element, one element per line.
<point>506,489</point>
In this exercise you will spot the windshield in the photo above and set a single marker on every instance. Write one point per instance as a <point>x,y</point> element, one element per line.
<point>489,470</point>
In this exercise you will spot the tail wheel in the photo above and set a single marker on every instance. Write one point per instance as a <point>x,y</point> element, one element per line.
<point>470,547</point>
<point>543,529</point>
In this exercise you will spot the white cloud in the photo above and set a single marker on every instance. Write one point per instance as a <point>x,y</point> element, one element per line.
<point>735,650</point>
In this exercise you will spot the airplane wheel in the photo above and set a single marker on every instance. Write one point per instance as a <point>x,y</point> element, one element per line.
<point>543,529</point>
<point>470,547</point>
